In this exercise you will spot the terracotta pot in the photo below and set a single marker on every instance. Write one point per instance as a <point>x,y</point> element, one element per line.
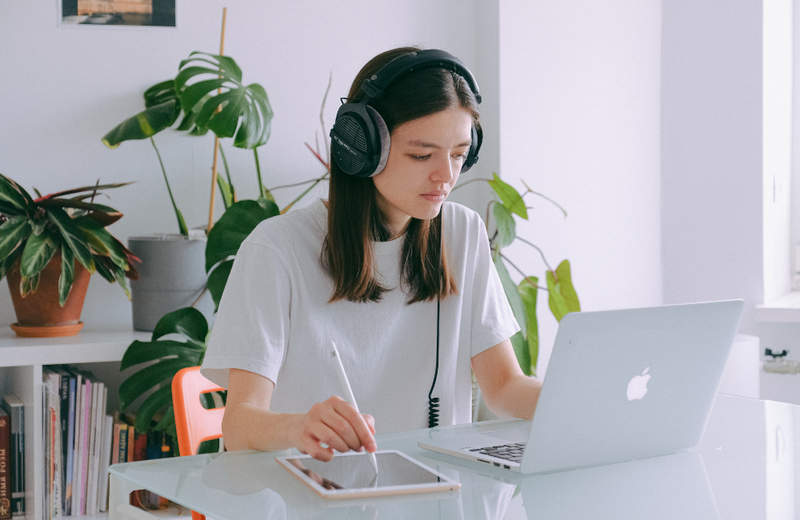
<point>38,313</point>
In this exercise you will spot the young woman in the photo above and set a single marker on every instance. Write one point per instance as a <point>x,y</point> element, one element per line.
<point>401,281</point>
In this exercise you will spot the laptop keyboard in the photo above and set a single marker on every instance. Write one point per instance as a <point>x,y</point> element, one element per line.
<point>512,452</point>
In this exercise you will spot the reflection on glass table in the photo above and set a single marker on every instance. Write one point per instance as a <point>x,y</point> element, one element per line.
<point>743,469</point>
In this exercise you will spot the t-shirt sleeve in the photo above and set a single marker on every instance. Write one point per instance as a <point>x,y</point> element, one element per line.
<point>251,326</point>
<point>492,318</point>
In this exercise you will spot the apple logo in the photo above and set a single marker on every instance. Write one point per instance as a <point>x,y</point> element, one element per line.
<point>638,385</point>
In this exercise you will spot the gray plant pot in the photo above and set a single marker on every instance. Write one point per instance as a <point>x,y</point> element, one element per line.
<point>172,275</point>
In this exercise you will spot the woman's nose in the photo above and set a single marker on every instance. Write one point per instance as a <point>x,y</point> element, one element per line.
<point>445,170</point>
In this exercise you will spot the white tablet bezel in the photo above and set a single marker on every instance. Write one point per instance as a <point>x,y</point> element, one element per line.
<point>445,483</point>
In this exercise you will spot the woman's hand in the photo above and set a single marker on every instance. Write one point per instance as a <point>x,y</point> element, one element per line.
<point>337,424</point>
<point>249,424</point>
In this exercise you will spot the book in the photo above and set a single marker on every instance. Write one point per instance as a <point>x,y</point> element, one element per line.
<point>70,446</point>
<point>16,410</point>
<point>5,465</point>
<point>105,460</point>
<point>51,402</point>
<point>80,390</point>
<point>123,443</point>
<point>83,453</point>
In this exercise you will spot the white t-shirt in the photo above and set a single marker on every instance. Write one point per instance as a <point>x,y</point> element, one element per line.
<point>274,319</point>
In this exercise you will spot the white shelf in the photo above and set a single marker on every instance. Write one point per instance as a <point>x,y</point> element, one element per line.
<point>21,362</point>
<point>85,347</point>
<point>785,309</point>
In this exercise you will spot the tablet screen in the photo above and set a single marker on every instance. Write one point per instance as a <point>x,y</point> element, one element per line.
<point>356,471</point>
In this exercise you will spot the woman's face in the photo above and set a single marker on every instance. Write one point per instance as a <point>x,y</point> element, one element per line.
<point>424,162</point>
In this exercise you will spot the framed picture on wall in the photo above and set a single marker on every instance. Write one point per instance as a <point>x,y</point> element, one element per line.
<point>159,13</point>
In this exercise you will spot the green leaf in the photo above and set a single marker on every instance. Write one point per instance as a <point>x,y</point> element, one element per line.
<point>37,253</point>
<point>104,243</point>
<point>67,275</point>
<point>7,262</point>
<point>145,124</point>
<point>160,93</point>
<point>562,299</point>
<point>104,269</point>
<point>226,190</point>
<point>521,351</point>
<point>514,299</point>
<point>217,281</point>
<point>14,200</point>
<point>188,322</point>
<point>506,226</point>
<point>150,406</point>
<point>145,379</point>
<point>233,227</point>
<point>13,234</point>
<point>147,351</point>
<point>510,197</point>
<point>73,237</point>
<point>528,291</point>
<point>103,215</point>
<point>211,87</point>
<point>29,285</point>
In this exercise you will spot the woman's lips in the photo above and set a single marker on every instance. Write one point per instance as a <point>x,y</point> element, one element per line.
<point>435,196</point>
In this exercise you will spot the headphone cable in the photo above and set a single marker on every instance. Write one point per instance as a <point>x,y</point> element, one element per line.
<point>433,402</point>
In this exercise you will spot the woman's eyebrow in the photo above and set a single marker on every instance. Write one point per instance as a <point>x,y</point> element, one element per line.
<point>419,143</point>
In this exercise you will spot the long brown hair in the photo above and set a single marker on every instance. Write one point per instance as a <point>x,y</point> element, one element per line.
<point>354,218</point>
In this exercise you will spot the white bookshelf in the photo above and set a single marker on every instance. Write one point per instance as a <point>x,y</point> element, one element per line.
<point>21,362</point>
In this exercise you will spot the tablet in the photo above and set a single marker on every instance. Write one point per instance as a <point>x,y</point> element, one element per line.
<point>351,475</point>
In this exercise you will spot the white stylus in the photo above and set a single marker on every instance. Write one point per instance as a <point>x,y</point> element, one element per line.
<point>348,393</point>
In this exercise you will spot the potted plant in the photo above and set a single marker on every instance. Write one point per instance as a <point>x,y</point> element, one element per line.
<point>209,91</point>
<point>49,246</point>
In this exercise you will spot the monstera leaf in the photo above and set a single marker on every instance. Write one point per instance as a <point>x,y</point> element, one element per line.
<point>160,359</point>
<point>210,87</point>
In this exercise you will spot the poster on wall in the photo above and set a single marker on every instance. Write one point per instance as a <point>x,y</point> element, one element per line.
<point>118,12</point>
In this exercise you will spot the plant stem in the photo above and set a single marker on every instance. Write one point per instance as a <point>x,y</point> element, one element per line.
<point>181,226</point>
<point>317,181</point>
<point>540,252</point>
<point>227,171</point>
<point>545,197</point>
<point>524,276</point>
<point>295,184</point>
<point>261,189</point>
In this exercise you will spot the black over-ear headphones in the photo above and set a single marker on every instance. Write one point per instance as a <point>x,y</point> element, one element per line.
<point>360,138</point>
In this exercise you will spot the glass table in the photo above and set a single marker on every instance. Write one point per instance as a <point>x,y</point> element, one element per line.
<point>744,468</point>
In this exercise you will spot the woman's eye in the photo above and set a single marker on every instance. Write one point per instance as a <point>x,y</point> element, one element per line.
<point>421,157</point>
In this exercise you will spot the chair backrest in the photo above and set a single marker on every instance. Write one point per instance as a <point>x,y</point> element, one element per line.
<point>193,423</point>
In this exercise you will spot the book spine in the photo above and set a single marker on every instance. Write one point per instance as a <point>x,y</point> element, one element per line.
<point>63,394</point>
<point>105,459</point>
<point>115,445</point>
<point>123,443</point>
<point>76,451</point>
<point>70,452</point>
<point>5,466</point>
<point>85,436</point>
<point>16,412</point>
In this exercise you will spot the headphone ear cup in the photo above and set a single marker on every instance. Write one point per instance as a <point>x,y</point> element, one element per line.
<point>474,148</point>
<point>355,140</point>
<point>384,139</point>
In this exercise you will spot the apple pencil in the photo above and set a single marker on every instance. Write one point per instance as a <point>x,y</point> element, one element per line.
<point>348,393</point>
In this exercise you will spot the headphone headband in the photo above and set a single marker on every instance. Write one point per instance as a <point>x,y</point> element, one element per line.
<point>407,63</point>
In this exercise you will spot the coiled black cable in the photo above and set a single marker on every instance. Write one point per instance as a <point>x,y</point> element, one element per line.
<point>433,402</point>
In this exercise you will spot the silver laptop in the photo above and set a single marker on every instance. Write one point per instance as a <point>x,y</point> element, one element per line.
<point>621,385</point>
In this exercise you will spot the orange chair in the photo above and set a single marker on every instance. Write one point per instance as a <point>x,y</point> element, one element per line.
<point>193,423</point>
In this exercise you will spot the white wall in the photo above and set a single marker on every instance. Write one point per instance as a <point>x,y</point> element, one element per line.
<point>579,111</point>
<point>712,161</point>
<point>65,87</point>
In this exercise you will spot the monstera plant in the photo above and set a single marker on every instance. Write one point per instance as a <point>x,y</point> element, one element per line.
<point>208,90</point>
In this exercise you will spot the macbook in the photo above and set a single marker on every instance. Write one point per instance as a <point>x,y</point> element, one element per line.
<point>621,385</point>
